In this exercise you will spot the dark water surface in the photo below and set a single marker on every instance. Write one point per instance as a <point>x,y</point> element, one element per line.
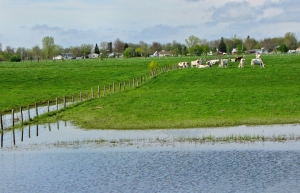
<point>41,164</point>
<point>176,170</point>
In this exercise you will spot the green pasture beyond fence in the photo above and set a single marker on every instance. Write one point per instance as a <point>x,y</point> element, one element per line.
<point>99,91</point>
<point>166,63</point>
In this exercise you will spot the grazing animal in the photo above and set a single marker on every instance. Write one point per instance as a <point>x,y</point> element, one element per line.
<point>212,62</point>
<point>183,65</point>
<point>258,56</point>
<point>204,65</point>
<point>223,63</point>
<point>196,63</point>
<point>238,58</point>
<point>242,63</point>
<point>232,59</point>
<point>257,61</point>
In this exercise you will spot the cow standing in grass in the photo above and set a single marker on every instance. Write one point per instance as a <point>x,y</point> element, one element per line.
<point>257,61</point>
<point>224,63</point>
<point>183,65</point>
<point>242,63</point>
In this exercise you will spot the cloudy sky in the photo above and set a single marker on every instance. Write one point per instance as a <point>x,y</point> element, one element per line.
<point>24,23</point>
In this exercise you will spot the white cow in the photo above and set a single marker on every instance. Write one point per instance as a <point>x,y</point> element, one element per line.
<point>223,63</point>
<point>183,65</point>
<point>196,63</point>
<point>257,61</point>
<point>212,62</point>
<point>204,66</point>
<point>242,63</point>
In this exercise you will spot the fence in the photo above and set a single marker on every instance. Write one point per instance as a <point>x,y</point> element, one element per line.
<point>27,114</point>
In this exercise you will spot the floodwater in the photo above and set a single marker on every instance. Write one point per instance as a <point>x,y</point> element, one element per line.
<point>61,157</point>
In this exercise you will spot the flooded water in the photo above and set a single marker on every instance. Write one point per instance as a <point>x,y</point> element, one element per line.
<point>60,157</point>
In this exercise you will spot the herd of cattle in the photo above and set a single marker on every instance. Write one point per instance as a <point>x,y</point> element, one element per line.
<point>200,63</point>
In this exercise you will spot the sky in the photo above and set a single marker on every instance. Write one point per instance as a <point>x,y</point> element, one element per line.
<point>24,23</point>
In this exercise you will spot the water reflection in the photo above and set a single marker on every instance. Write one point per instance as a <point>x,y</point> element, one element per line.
<point>65,133</point>
<point>18,117</point>
<point>52,158</point>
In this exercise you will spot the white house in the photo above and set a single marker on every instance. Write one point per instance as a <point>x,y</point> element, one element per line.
<point>93,55</point>
<point>162,53</point>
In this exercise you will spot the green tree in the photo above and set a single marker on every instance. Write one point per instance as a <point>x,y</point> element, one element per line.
<point>191,42</point>
<point>97,51</point>
<point>250,43</point>
<point>86,49</point>
<point>125,46</point>
<point>290,40</point>
<point>37,52</point>
<point>198,50</point>
<point>153,66</point>
<point>283,48</point>
<point>127,52</point>
<point>222,45</point>
<point>48,46</point>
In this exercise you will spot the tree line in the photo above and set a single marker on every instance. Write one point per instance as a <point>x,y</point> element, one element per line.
<point>193,46</point>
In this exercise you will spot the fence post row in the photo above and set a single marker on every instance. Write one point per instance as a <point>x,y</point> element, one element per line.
<point>112,89</point>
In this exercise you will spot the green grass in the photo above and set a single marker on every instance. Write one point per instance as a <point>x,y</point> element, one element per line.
<point>185,98</point>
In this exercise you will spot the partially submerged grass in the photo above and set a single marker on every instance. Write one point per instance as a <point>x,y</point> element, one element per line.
<point>170,141</point>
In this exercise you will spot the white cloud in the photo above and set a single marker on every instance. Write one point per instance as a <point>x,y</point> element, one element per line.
<point>74,22</point>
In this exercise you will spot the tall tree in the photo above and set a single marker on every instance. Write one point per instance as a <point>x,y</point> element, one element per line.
<point>97,51</point>
<point>283,48</point>
<point>75,50</point>
<point>290,40</point>
<point>156,46</point>
<point>118,46</point>
<point>250,43</point>
<point>37,52</point>
<point>222,45</point>
<point>86,49</point>
<point>48,46</point>
<point>191,41</point>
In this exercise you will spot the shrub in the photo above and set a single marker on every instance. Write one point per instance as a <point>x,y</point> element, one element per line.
<point>15,58</point>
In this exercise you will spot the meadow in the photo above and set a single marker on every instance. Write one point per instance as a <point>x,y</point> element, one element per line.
<point>183,98</point>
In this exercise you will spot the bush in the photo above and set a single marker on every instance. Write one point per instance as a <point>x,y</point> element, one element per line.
<point>15,58</point>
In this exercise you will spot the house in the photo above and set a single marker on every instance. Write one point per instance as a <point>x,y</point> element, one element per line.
<point>233,51</point>
<point>93,55</point>
<point>67,56</point>
<point>162,53</point>
<point>59,57</point>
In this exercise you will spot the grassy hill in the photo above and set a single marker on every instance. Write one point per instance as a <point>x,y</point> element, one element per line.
<point>182,98</point>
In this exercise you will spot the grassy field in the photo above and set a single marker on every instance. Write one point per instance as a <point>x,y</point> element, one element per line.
<point>184,98</point>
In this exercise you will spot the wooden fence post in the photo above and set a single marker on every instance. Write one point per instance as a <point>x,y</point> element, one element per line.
<point>1,122</point>
<point>21,113</point>
<point>1,125</point>
<point>56,104</point>
<point>65,101</point>
<point>28,108</point>
<point>48,108</point>
<point>36,110</point>
<point>28,131</point>
<point>13,117</point>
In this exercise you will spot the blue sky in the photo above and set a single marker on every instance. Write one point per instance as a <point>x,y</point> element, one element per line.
<point>24,23</point>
